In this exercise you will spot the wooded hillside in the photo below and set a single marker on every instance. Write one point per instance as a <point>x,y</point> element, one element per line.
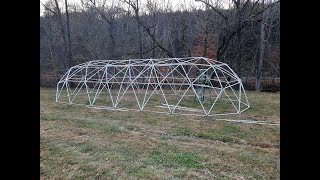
<point>246,34</point>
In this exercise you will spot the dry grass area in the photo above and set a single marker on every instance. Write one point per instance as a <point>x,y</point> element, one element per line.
<point>83,143</point>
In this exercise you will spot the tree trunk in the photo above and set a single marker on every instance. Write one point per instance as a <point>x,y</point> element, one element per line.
<point>154,33</point>
<point>261,54</point>
<point>69,38</point>
<point>113,43</point>
<point>63,34</point>
<point>139,29</point>
<point>206,32</point>
<point>239,37</point>
<point>239,56</point>
<point>205,54</point>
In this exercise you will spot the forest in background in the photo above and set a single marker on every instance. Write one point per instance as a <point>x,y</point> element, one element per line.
<point>246,35</point>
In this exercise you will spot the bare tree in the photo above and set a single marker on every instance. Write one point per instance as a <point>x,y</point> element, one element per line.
<point>147,29</point>
<point>63,34</point>
<point>69,38</point>
<point>262,48</point>
<point>108,14</point>
<point>57,12</point>
<point>135,6</point>
<point>102,29</point>
<point>245,13</point>
<point>265,32</point>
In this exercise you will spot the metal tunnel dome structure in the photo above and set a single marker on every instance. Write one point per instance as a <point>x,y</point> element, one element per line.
<point>189,86</point>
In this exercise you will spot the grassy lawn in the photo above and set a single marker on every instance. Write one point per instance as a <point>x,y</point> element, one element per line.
<point>83,143</point>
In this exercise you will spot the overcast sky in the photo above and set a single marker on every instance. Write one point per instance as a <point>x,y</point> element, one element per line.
<point>173,2</point>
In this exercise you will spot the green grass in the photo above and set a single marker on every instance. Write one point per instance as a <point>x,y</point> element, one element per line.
<point>228,133</point>
<point>136,171</point>
<point>112,128</point>
<point>183,132</point>
<point>163,138</point>
<point>175,159</point>
<point>77,142</point>
<point>216,136</point>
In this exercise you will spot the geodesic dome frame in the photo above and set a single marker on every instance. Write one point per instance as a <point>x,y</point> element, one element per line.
<point>191,86</point>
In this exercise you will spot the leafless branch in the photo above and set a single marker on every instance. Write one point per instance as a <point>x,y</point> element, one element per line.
<point>214,9</point>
